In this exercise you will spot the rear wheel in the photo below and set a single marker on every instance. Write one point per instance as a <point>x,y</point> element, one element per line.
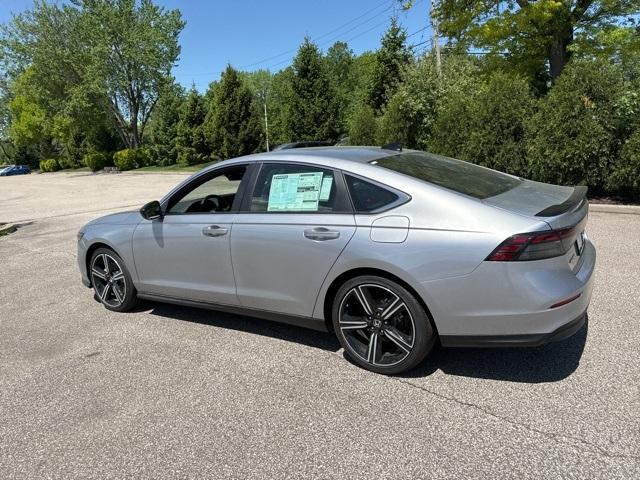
<point>111,281</point>
<point>381,325</point>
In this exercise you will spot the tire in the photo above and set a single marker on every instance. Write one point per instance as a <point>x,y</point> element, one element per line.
<point>370,305</point>
<point>120,294</point>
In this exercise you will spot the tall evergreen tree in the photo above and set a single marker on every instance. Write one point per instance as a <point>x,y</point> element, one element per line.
<point>190,140</point>
<point>392,57</point>
<point>313,100</point>
<point>163,125</point>
<point>340,62</point>
<point>235,121</point>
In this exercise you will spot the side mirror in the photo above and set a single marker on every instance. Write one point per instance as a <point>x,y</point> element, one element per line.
<point>151,210</point>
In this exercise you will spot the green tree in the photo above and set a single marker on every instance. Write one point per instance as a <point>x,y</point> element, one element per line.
<point>116,54</point>
<point>363,126</point>
<point>192,146</point>
<point>340,61</point>
<point>163,125</point>
<point>236,120</point>
<point>624,178</point>
<point>391,59</point>
<point>312,114</point>
<point>489,123</point>
<point>534,32</point>
<point>574,136</point>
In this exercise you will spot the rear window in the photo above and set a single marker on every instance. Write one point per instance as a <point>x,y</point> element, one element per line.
<point>462,177</point>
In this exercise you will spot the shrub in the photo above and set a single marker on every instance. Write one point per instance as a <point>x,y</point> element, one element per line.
<point>126,159</point>
<point>362,126</point>
<point>189,156</point>
<point>95,161</point>
<point>49,165</point>
<point>487,125</point>
<point>624,178</point>
<point>573,137</point>
<point>68,161</point>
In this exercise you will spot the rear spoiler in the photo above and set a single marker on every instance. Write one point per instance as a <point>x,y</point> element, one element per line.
<point>574,202</point>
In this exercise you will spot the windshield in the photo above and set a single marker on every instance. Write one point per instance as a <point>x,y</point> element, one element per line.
<point>456,175</point>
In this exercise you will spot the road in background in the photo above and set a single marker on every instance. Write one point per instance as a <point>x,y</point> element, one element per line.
<point>175,392</point>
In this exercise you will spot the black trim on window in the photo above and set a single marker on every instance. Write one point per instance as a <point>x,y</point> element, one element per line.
<point>342,204</point>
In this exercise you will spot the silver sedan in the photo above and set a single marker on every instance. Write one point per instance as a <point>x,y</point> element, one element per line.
<point>390,250</point>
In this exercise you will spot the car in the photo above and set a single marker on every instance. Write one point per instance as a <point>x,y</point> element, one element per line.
<point>305,144</point>
<point>14,170</point>
<point>391,250</point>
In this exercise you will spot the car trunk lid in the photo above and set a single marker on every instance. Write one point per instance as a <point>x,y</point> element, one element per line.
<point>560,207</point>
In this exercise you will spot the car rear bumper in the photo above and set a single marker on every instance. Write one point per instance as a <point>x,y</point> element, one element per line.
<point>528,340</point>
<point>517,304</point>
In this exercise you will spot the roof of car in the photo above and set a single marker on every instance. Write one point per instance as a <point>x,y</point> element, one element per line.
<point>354,154</point>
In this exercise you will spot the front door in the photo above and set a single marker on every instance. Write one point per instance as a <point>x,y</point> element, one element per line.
<point>293,227</point>
<point>186,254</point>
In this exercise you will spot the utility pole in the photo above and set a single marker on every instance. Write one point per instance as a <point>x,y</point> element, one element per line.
<point>436,36</point>
<point>266,121</point>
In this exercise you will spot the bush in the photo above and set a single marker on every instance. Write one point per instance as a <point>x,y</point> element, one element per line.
<point>189,156</point>
<point>95,161</point>
<point>624,178</point>
<point>574,135</point>
<point>487,125</point>
<point>68,161</point>
<point>362,126</point>
<point>49,165</point>
<point>126,159</point>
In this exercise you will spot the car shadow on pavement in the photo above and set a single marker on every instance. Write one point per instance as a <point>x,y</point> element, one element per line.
<point>548,363</point>
<point>257,326</point>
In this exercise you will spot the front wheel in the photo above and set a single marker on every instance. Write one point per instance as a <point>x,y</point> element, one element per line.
<point>111,281</point>
<point>381,325</point>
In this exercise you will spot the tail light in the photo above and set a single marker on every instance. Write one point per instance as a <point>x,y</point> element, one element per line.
<point>534,246</point>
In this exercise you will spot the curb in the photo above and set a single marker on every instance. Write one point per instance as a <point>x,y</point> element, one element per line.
<point>608,208</point>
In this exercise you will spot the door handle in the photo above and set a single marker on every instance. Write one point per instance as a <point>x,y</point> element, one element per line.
<point>321,234</point>
<point>214,231</point>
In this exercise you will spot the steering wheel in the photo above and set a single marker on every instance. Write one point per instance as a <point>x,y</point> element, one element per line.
<point>212,199</point>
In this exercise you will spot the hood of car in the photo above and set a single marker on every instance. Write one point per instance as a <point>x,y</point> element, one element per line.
<point>121,218</point>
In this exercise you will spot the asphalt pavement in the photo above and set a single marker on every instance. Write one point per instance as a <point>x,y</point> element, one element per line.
<point>175,392</point>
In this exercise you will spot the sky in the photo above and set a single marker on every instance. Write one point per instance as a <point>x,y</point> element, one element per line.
<point>254,34</point>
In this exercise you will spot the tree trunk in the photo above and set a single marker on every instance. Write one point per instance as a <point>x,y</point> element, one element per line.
<point>559,51</point>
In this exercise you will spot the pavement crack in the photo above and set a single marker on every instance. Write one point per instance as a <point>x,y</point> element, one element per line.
<point>558,438</point>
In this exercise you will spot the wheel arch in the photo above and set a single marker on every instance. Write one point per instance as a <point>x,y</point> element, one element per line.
<point>357,272</point>
<point>92,248</point>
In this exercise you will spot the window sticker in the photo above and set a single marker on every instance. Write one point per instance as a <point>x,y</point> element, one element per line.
<point>297,192</point>
<point>325,190</point>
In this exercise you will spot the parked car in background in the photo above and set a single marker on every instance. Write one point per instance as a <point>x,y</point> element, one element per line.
<point>391,250</point>
<point>14,170</point>
<point>306,144</point>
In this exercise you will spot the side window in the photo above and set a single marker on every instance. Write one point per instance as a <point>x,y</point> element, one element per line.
<point>212,195</point>
<point>368,197</point>
<point>287,188</point>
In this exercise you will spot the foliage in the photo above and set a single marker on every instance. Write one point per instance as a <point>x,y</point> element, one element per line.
<point>489,122</point>
<point>130,158</point>
<point>624,177</point>
<point>163,125</point>
<point>49,165</point>
<point>313,109</point>
<point>363,126</point>
<point>191,141</point>
<point>95,161</point>
<point>574,136</point>
<point>116,55</point>
<point>534,32</point>
<point>235,122</point>
<point>390,60</point>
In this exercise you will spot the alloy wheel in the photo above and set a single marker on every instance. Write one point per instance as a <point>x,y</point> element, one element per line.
<point>376,324</point>
<point>108,280</point>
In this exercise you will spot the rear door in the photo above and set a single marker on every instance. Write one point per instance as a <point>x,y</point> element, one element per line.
<point>294,223</point>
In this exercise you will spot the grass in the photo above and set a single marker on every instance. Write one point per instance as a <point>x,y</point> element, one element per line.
<point>173,168</point>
